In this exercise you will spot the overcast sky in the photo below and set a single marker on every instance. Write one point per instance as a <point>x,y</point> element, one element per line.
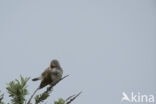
<point>107,46</point>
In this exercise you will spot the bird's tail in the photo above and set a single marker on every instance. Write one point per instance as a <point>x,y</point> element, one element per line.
<point>36,79</point>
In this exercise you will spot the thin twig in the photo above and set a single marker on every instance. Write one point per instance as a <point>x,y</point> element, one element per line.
<point>48,89</point>
<point>53,84</point>
<point>32,95</point>
<point>72,98</point>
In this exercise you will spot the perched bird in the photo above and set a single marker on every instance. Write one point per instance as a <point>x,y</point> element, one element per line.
<point>51,75</point>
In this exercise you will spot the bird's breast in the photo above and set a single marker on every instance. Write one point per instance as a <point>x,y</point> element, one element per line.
<point>56,74</point>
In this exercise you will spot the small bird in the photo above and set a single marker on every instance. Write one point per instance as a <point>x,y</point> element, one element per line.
<point>51,75</point>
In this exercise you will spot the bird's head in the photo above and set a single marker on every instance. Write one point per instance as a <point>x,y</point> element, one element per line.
<point>54,64</point>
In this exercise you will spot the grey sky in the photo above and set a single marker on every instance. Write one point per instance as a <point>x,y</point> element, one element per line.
<point>107,46</point>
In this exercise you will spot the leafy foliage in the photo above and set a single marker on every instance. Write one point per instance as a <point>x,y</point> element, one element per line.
<point>17,90</point>
<point>60,101</point>
<point>40,98</point>
<point>46,93</point>
<point>1,98</point>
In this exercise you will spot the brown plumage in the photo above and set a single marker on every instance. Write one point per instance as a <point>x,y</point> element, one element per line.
<point>51,75</point>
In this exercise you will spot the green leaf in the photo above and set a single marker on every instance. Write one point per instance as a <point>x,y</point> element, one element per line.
<point>40,98</point>
<point>1,98</point>
<point>17,90</point>
<point>60,101</point>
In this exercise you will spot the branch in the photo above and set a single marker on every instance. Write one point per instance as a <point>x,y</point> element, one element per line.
<point>45,94</point>
<point>72,98</point>
<point>32,95</point>
<point>52,85</point>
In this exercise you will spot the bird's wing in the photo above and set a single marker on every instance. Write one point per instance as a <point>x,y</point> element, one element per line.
<point>47,80</point>
<point>45,73</point>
